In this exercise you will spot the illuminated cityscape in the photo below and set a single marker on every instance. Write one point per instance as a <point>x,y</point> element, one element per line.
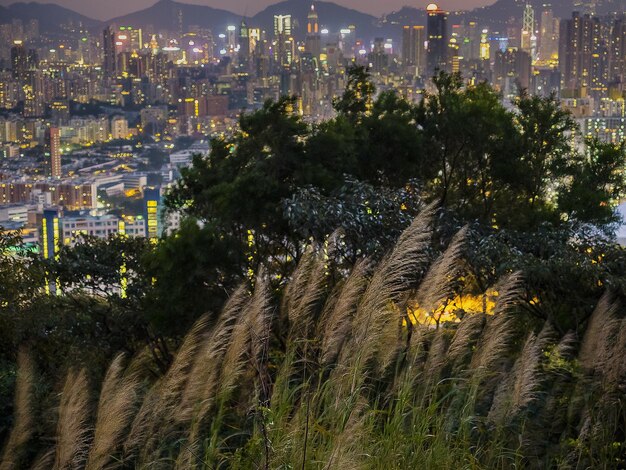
<point>95,117</point>
<point>302,234</point>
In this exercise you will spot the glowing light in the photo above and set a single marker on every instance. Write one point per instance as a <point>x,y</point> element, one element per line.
<point>324,31</point>
<point>432,7</point>
<point>345,31</point>
<point>231,28</point>
<point>221,36</point>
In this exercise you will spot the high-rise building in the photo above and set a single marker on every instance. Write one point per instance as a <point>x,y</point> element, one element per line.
<point>437,52</point>
<point>512,71</point>
<point>583,55</point>
<point>244,43</point>
<point>22,60</point>
<point>617,59</point>
<point>313,37</point>
<point>413,52</point>
<point>528,38</point>
<point>282,25</point>
<point>119,127</point>
<point>548,35</point>
<point>109,56</point>
<point>284,48</point>
<point>54,145</point>
<point>128,39</point>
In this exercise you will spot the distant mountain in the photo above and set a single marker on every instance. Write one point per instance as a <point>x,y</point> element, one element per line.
<point>331,16</point>
<point>495,15</point>
<point>165,15</point>
<point>50,16</point>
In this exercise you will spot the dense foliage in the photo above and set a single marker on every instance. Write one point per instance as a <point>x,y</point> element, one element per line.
<point>356,384</point>
<point>357,356</point>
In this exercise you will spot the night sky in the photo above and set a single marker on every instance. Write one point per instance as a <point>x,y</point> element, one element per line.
<point>106,9</point>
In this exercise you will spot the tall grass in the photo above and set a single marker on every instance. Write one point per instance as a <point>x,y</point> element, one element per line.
<point>353,384</point>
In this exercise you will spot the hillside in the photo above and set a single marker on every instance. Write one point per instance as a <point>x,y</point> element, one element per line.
<point>331,16</point>
<point>165,15</point>
<point>493,15</point>
<point>50,16</point>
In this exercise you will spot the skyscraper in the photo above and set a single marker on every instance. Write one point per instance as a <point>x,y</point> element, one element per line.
<point>109,56</point>
<point>583,55</point>
<point>284,48</point>
<point>244,43</point>
<point>18,59</point>
<point>54,144</point>
<point>413,47</point>
<point>437,53</point>
<point>548,45</point>
<point>528,38</point>
<point>512,70</point>
<point>617,61</point>
<point>313,38</point>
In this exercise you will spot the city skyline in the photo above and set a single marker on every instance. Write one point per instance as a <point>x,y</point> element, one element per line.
<point>104,11</point>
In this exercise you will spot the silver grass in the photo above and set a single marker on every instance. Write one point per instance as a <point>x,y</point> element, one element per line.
<point>527,375</point>
<point>593,348</point>
<point>204,375</point>
<point>465,337</point>
<point>436,357</point>
<point>615,368</point>
<point>23,418</point>
<point>509,289</point>
<point>116,406</point>
<point>338,322</point>
<point>72,428</point>
<point>494,342</point>
<point>160,400</point>
<point>376,308</point>
<point>301,310</point>
<point>251,333</point>
<point>438,284</point>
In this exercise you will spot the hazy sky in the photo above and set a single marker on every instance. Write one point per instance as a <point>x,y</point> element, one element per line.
<point>106,9</point>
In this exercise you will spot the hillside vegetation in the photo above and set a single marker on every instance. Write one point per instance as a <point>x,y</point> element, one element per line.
<point>356,384</point>
<point>405,285</point>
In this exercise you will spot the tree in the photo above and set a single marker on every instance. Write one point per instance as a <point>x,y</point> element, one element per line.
<point>595,185</point>
<point>465,134</point>
<point>238,189</point>
<point>356,100</point>
<point>369,218</point>
<point>542,148</point>
<point>192,273</point>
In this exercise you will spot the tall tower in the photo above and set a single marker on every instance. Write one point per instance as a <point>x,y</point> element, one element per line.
<point>582,54</point>
<point>528,29</point>
<point>108,58</point>
<point>548,46</point>
<point>284,49</point>
<point>54,143</point>
<point>313,37</point>
<point>19,60</point>
<point>413,47</point>
<point>437,53</point>
<point>244,42</point>
<point>617,60</point>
